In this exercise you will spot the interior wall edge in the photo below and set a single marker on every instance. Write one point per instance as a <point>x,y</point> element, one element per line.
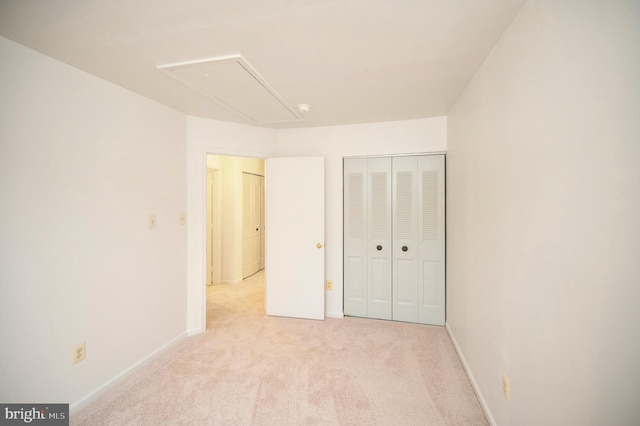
<point>469,372</point>
<point>74,406</point>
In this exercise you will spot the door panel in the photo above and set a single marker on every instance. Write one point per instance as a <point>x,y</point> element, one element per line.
<point>405,253</point>
<point>379,245</point>
<point>405,293</point>
<point>431,231</point>
<point>429,275</point>
<point>355,238</point>
<point>355,294</point>
<point>405,306</point>
<point>379,285</point>
<point>251,216</point>
<point>295,237</point>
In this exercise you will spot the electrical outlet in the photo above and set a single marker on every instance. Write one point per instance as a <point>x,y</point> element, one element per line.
<point>78,353</point>
<point>329,285</point>
<point>182,220</point>
<point>506,388</point>
<point>153,222</point>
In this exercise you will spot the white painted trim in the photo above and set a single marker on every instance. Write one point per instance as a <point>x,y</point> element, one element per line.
<point>123,374</point>
<point>170,69</point>
<point>474,384</point>
<point>408,154</point>
<point>195,331</point>
<point>334,315</point>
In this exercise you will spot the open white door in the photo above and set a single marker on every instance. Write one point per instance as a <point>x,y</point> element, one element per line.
<point>294,272</point>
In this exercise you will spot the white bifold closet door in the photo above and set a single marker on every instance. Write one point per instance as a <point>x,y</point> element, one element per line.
<point>431,239</point>
<point>367,238</point>
<point>394,238</point>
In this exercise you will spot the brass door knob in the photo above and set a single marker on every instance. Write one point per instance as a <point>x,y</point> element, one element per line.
<point>319,245</point>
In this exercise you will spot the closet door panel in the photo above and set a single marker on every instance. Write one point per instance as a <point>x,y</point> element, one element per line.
<point>379,289</point>
<point>379,244</point>
<point>428,291</point>
<point>405,247</point>
<point>431,233</point>
<point>355,238</point>
<point>356,290</point>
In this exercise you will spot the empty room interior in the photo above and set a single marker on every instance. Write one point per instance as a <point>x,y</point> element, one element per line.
<point>321,212</point>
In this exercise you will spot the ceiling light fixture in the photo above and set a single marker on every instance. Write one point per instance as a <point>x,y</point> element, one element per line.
<point>304,107</point>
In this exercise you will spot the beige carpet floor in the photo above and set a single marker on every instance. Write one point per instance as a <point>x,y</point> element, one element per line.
<point>251,369</point>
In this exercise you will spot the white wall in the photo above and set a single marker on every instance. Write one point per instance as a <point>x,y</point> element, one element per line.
<point>82,165</point>
<point>334,143</point>
<point>204,137</point>
<point>543,201</point>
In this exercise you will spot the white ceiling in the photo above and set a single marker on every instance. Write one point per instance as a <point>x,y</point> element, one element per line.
<point>354,61</point>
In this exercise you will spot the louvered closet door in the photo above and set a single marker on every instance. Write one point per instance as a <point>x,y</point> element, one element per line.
<point>379,245</point>
<point>431,234</point>
<point>355,237</point>
<point>405,242</point>
<point>394,238</point>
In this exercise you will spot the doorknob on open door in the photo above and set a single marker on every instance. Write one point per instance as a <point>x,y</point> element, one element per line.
<point>319,245</point>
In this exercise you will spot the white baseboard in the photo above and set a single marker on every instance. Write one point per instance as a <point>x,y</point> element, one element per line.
<point>334,315</point>
<point>100,389</point>
<point>195,331</point>
<point>474,384</point>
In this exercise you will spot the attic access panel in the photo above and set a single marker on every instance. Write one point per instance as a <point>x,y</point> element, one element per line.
<point>233,83</point>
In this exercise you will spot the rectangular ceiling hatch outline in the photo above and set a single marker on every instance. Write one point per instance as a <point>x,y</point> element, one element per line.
<point>233,83</point>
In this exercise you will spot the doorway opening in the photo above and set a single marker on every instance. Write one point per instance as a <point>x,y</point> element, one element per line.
<point>234,219</point>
